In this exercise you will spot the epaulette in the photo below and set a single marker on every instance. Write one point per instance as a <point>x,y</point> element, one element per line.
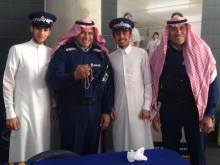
<point>97,50</point>
<point>69,49</point>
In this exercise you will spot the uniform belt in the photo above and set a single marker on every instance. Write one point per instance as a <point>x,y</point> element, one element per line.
<point>176,97</point>
<point>180,98</point>
<point>69,100</point>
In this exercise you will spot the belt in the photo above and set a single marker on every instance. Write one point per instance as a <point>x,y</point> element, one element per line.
<point>180,98</point>
<point>175,97</point>
<point>69,100</point>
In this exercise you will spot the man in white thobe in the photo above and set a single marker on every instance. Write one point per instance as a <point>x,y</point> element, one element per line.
<point>26,94</point>
<point>133,93</point>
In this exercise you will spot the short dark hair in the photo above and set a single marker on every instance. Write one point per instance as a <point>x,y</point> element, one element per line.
<point>177,13</point>
<point>113,31</point>
<point>41,26</point>
<point>156,34</point>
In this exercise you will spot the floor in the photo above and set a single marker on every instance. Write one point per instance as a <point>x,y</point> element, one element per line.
<point>212,154</point>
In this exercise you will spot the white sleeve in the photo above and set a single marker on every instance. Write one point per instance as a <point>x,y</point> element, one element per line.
<point>158,43</point>
<point>147,82</point>
<point>148,45</point>
<point>9,82</point>
<point>136,35</point>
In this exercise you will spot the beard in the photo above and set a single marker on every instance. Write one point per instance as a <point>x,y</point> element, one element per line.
<point>35,39</point>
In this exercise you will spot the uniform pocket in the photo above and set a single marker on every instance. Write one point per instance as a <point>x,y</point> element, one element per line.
<point>99,89</point>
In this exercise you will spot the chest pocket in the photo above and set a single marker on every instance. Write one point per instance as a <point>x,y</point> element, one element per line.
<point>99,87</point>
<point>134,73</point>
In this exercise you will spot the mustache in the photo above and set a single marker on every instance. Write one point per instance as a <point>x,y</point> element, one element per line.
<point>122,39</point>
<point>178,35</point>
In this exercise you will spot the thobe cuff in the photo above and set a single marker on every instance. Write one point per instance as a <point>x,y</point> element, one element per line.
<point>53,102</point>
<point>147,105</point>
<point>10,113</point>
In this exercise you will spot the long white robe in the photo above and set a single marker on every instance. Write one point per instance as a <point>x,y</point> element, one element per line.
<point>133,92</point>
<point>27,96</point>
<point>152,45</point>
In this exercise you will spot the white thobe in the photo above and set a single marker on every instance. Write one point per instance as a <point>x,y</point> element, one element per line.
<point>133,92</point>
<point>152,45</point>
<point>27,96</point>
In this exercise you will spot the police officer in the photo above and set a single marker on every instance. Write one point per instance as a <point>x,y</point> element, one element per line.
<point>81,72</point>
<point>185,84</point>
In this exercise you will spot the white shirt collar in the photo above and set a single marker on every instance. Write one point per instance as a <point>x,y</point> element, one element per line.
<point>126,51</point>
<point>34,44</point>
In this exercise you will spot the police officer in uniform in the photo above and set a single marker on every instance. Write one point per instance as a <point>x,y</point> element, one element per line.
<point>81,72</point>
<point>185,84</point>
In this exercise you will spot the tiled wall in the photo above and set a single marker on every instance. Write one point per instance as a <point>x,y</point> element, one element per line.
<point>109,12</point>
<point>211,34</point>
<point>14,28</point>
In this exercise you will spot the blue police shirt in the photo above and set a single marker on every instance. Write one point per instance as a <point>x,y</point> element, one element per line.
<point>61,74</point>
<point>174,79</point>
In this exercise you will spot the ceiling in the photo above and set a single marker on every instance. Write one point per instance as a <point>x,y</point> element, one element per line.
<point>145,18</point>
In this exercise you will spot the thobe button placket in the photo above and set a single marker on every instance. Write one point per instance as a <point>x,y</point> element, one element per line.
<point>125,69</point>
<point>38,67</point>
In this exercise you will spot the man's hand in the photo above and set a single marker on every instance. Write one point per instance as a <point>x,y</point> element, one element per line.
<point>206,125</point>
<point>105,119</point>
<point>53,114</point>
<point>144,114</point>
<point>81,72</point>
<point>13,123</point>
<point>155,121</point>
<point>113,114</point>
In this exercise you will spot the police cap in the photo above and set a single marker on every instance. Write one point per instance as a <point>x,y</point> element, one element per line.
<point>121,24</point>
<point>42,19</point>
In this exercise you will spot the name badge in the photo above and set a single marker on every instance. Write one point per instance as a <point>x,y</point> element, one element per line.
<point>95,65</point>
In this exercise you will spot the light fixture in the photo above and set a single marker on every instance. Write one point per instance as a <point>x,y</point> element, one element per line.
<point>166,8</point>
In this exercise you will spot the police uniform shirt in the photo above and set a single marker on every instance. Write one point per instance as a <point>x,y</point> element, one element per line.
<point>174,78</point>
<point>61,74</point>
